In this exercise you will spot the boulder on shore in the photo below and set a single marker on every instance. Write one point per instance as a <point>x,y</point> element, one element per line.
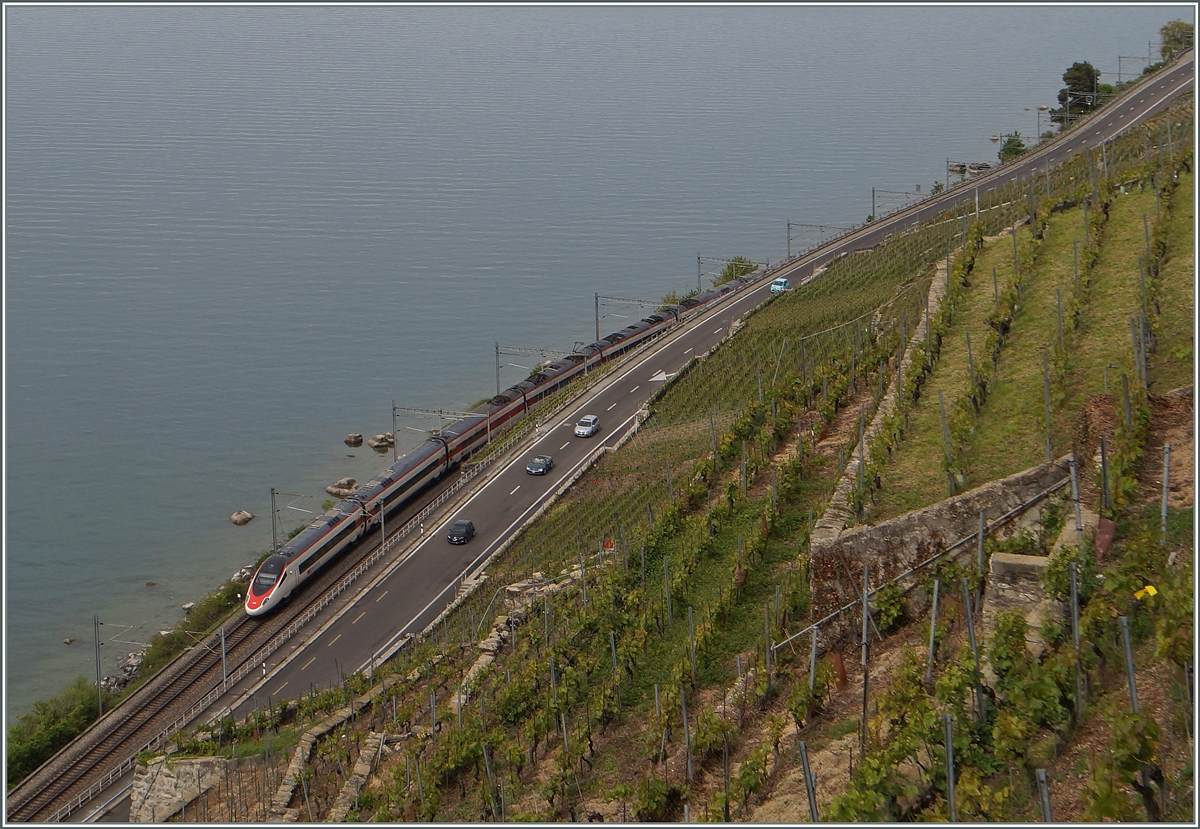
<point>342,488</point>
<point>354,439</point>
<point>241,517</point>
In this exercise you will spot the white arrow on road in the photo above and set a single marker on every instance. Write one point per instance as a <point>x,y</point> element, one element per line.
<point>660,376</point>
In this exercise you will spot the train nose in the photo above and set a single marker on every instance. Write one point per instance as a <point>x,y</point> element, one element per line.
<point>257,605</point>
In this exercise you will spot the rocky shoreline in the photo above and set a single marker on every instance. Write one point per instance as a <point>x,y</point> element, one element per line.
<point>130,663</point>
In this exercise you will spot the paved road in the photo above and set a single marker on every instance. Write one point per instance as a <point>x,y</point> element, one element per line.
<point>420,587</point>
<point>426,580</point>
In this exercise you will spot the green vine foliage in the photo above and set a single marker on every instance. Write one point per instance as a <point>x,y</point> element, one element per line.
<point>889,607</point>
<point>1174,607</point>
<point>1056,578</point>
<point>804,702</point>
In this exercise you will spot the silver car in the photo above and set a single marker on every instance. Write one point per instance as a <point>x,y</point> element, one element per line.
<point>587,426</point>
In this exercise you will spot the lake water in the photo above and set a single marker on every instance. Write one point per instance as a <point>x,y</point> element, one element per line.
<point>236,234</point>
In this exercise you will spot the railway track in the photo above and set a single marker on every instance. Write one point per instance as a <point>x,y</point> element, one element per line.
<point>149,717</point>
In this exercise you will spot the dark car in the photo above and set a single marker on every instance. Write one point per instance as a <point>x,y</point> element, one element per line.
<point>539,465</point>
<point>460,532</point>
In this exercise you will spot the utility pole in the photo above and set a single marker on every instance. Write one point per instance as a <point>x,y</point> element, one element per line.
<point>99,689</point>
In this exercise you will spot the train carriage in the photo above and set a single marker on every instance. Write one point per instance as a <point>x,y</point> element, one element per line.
<point>282,572</point>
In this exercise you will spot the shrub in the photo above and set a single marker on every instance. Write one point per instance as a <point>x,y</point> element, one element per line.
<point>52,723</point>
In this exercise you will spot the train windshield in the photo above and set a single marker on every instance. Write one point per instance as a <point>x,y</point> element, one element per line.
<point>268,573</point>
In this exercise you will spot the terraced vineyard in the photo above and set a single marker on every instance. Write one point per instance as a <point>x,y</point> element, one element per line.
<point>644,685</point>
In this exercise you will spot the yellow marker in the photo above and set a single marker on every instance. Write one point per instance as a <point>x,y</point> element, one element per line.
<point>1148,590</point>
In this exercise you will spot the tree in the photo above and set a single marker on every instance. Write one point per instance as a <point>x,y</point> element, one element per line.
<point>1177,37</point>
<point>1012,147</point>
<point>937,188</point>
<point>738,266</point>
<point>1082,81</point>
<point>1080,95</point>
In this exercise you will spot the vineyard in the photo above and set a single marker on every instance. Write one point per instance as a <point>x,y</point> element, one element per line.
<point>634,677</point>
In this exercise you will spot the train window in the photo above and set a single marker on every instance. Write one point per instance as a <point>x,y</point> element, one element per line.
<point>268,573</point>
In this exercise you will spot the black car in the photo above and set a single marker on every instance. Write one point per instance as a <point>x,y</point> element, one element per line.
<point>539,465</point>
<point>461,532</point>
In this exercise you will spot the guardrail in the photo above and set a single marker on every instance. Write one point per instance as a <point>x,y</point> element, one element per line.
<point>95,789</point>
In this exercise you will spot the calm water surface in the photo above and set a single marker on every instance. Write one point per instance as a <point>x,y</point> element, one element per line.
<point>236,234</point>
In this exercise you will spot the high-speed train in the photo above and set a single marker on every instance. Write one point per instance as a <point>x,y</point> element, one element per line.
<point>340,527</point>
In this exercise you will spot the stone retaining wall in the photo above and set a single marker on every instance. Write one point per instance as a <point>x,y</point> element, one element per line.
<point>163,787</point>
<point>280,810</point>
<point>895,546</point>
<point>372,747</point>
<point>1015,584</point>
<point>839,512</point>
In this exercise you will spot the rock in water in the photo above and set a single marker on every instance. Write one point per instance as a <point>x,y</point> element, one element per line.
<point>68,640</point>
<point>354,439</point>
<point>241,517</point>
<point>342,488</point>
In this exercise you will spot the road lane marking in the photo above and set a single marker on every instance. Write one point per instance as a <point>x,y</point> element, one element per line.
<point>564,446</point>
<point>280,688</point>
<point>487,550</point>
<point>719,330</point>
<point>610,408</point>
<point>381,595</point>
<point>309,662</point>
<point>635,388</point>
<point>515,490</point>
<point>330,645</point>
<point>689,351</point>
<point>359,616</point>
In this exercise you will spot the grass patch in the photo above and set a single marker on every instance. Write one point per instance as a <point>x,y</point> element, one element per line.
<point>839,730</point>
<point>1173,364</point>
<point>1113,295</point>
<point>916,477</point>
